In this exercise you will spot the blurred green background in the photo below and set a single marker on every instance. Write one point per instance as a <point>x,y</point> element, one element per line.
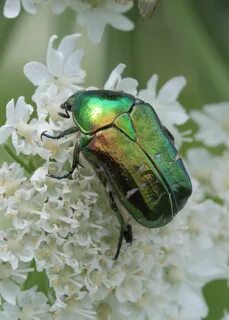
<point>184,37</point>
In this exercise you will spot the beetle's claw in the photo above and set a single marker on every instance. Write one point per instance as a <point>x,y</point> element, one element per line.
<point>50,175</point>
<point>128,234</point>
<point>43,134</point>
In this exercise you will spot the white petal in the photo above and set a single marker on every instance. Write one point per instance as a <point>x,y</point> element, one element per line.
<point>209,131</point>
<point>58,6</point>
<point>152,84</point>
<point>9,291</point>
<point>5,132</point>
<point>68,44</point>
<point>211,266</point>
<point>149,94</point>
<point>95,30</point>
<point>54,58</point>
<point>39,174</point>
<point>22,110</point>
<point>171,89</point>
<point>118,7</point>
<point>219,111</point>
<point>29,6</point>
<point>95,23</point>
<point>36,72</point>
<point>12,8</point>
<point>72,66</point>
<point>128,85</point>
<point>130,290</point>
<point>114,77</point>
<point>192,302</point>
<point>120,22</point>
<point>171,114</point>
<point>10,112</point>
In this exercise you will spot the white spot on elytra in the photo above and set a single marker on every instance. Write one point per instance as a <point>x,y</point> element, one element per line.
<point>131,192</point>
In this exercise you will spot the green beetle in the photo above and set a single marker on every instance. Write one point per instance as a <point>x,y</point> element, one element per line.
<point>133,154</point>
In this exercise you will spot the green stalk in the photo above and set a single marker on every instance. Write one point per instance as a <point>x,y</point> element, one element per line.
<point>200,44</point>
<point>7,29</point>
<point>64,24</point>
<point>18,159</point>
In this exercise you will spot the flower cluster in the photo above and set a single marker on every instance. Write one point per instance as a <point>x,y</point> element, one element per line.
<point>94,14</point>
<point>67,230</point>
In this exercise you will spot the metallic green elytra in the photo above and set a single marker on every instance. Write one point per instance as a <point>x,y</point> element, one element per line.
<point>133,154</point>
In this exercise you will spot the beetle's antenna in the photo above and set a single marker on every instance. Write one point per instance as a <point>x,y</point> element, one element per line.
<point>66,107</point>
<point>65,115</point>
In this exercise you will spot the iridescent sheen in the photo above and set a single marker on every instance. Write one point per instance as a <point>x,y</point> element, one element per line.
<point>127,169</point>
<point>158,146</point>
<point>133,155</point>
<point>124,138</point>
<point>95,109</point>
<point>147,175</point>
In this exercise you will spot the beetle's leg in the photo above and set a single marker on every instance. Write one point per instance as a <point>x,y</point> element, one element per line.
<point>126,233</point>
<point>61,134</point>
<point>117,252</point>
<point>125,229</point>
<point>75,163</point>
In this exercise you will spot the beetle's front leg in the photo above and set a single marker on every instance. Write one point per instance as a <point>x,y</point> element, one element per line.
<point>75,163</point>
<point>61,134</point>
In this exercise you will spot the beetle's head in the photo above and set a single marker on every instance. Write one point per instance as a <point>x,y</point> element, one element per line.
<point>67,107</point>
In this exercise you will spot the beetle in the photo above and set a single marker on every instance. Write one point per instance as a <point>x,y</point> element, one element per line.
<point>133,155</point>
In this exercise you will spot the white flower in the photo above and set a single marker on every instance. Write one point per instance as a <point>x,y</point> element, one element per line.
<point>213,124</point>
<point>202,164</point>
<point>31,305</point>
<point>9,280</point>
<point>67,229</point>
<point>14,247</point>
<point>165,101</point>
<point>210,170</point>
<point>12,8</point>
<point>11,178</point>
<point>74,309</point>
<point>8,291</point>
<point>17,116</point>
<point>25,134</point>
<point>219,176</point>
<point>94,14</point>
<point>58,6</point>
<point>60,78</point>
<point>116,83</point>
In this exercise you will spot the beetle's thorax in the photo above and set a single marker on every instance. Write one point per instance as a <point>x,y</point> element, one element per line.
<point>95,109</point>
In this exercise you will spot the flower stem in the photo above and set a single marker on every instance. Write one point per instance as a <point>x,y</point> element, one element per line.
<point>8,27</point>
<point>200,44</point>
<point>18,159</point>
